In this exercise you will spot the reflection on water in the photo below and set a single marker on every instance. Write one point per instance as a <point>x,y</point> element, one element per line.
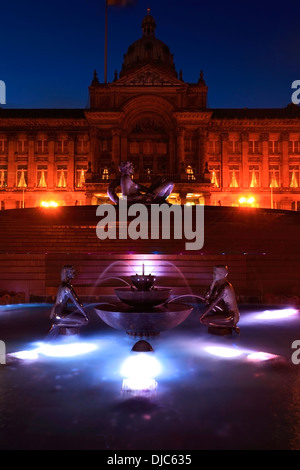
<point>206,387</point>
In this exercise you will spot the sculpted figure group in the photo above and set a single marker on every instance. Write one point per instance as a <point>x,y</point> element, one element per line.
<point>158,192</point>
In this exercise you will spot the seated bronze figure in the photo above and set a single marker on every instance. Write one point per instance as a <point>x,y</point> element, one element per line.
<point>222,309</point>
<point>60,314</point>
<point>158,192</point>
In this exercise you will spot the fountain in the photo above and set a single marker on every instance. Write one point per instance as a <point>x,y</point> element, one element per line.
<point>142,309</point>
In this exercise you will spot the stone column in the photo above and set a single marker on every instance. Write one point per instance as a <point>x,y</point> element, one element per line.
<point>31,164</point>
<point>116,147</point>
<point>201,152</point>
<point>172,153</point>
<point>264,174</point>
<point>284,167</point>
<point>71,163</point>
<point>180,147</point>
<point>52,175</point>
<point>224,159</point>
<point>12,164</point>
<point>245,160</point>
<point>94,147</point>
<point>124,146</point>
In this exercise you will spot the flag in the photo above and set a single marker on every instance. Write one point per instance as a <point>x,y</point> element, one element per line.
<point>121,3</point>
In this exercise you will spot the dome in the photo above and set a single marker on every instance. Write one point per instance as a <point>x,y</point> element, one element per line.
<point>148,50</point>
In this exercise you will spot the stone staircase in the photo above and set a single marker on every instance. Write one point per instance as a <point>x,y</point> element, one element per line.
<point>260,246</point>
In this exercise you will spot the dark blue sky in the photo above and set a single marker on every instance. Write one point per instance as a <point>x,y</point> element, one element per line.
<point>249,50</point>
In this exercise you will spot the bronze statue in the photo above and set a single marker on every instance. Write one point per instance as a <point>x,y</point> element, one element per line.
<point>158,192</point>
<point>60,314</point>
<point>222,310</point>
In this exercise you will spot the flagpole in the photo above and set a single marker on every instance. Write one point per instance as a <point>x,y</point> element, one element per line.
<point>105,41</point>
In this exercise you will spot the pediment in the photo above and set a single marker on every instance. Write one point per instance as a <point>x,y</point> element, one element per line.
<point>148,76</point>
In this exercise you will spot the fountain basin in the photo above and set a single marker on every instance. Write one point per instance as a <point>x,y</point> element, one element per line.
<point>143,323</point>
<point>142,298</point>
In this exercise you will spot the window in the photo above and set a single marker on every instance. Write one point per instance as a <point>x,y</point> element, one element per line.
<point>161,148</point>
<point>273,146</point>
<point>2,205</point>
<point>253,146</point>
<point>189,144</point>
<point>294,146</point>
<point>148,148</point>
<point>22,176</point>
<point>294,176</point>
<point>82,146</point>
<point>234,146</point>
<point>42,146</point>
<point>62,146</point>
<point>42,171</point>
<point>234,176</point>
<point>215,175</point>
<point>105,145</point>
<point>62,176</point>
<point>274,176</point>
<point>105,173</point>
<point>80,175</point>
<point>22,146</point>
<point>213,146</point>
<point>190,173</point>
<point>254,176</point>
<point>134,148</point>
<point>3,146</point>
<point>3,176</point>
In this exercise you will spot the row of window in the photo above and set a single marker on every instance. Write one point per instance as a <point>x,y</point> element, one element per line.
<point>42,176</point>
<point>41,146</point>
<point>254,146</point>
<point>150,147</point>
<point>254,176</point>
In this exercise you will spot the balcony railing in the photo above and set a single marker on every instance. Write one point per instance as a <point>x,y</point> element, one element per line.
<point>146,178</point>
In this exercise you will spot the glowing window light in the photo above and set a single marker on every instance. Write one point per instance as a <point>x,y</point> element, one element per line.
<point>214,179</point>
<point>42,181</point>
<point>277,314</point>
<point>224,352</point>
<point>294,181</point>
<point>22,181</point>
<point>254,183</point>
<point>233,182</point>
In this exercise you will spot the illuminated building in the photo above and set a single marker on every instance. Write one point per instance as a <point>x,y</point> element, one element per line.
<point>148,114</point>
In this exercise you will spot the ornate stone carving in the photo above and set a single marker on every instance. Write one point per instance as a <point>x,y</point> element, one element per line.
<point>150,78</point>
<point>147,124</point>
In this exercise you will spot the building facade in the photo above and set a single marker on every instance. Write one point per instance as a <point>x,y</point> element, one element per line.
<point>152,117</point>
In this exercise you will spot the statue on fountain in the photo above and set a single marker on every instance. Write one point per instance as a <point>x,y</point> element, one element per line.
<point>157,193</point>
<point>222,310</point>
<point>61,315</point>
